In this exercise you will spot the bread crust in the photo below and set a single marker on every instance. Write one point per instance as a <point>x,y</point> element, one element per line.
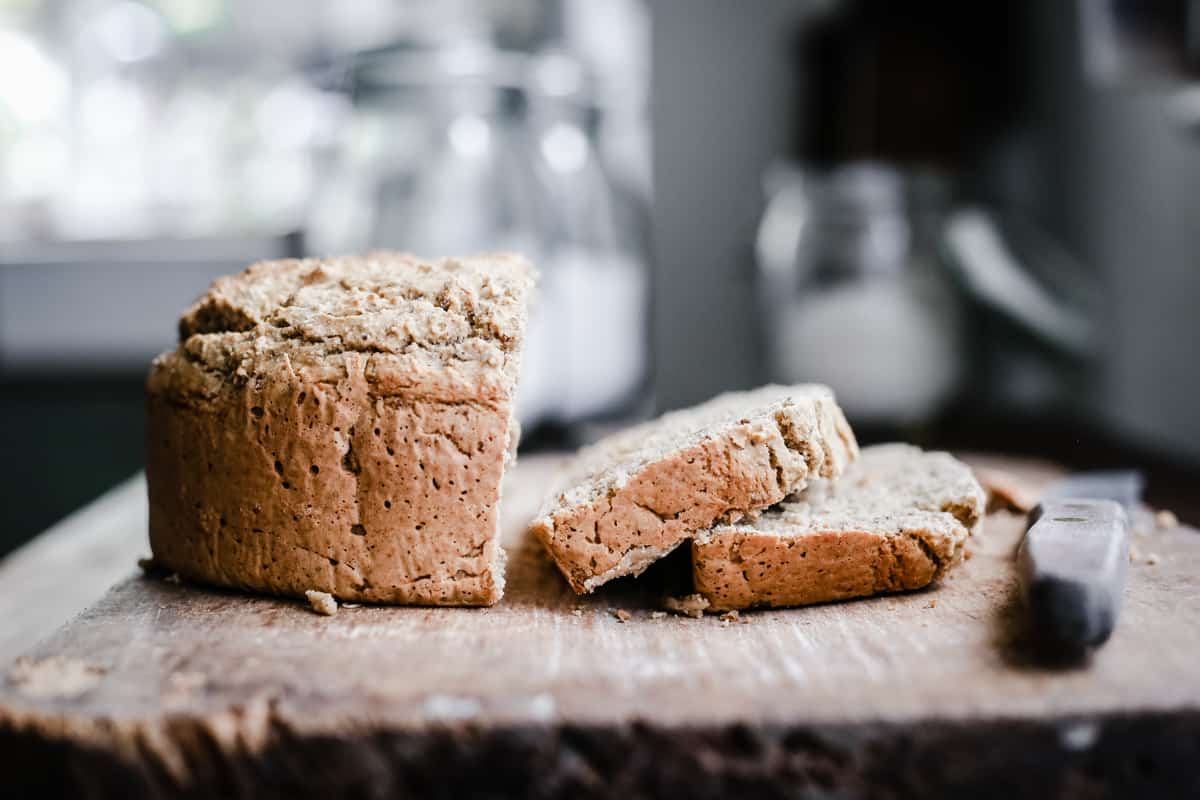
<point>285,463</point>
<point>897,520</point>
<point>636,506</point>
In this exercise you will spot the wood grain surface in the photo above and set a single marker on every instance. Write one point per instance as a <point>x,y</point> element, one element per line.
<point>163,689</point>
<point>70,566</point>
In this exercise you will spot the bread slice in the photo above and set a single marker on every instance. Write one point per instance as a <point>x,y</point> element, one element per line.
<point>341,425</point>
<point>897,519</point>
<point>637,495</point>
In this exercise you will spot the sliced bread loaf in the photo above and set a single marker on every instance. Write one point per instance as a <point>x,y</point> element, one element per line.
<point>341,425</point>
<point>635,496</point>
<point>897,519</point>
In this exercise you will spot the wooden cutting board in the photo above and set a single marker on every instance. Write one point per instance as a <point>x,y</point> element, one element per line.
<point>163,689</point>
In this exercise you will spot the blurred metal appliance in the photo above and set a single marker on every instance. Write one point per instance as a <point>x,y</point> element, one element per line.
<point>466,149</point>
<point>1111,147</point>
<point>1036,313</point>
<point>852,291</point>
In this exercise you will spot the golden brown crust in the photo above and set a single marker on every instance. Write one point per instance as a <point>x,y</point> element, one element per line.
<point>638,506</point>
<point>284,465</point>
<point>897,520</point>
<point>740,569</point>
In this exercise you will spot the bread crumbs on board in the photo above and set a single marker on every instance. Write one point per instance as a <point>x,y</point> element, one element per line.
<point>321,602</point>
<point>692,605</point>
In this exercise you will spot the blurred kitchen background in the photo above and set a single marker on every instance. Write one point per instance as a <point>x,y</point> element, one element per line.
<point>979,222</point>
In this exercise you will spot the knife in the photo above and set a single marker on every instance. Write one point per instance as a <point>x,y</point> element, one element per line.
<point>1073,560</point>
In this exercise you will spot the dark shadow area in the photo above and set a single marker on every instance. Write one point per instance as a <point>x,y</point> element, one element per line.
<point>1020,647</point>
<point>66,441</point>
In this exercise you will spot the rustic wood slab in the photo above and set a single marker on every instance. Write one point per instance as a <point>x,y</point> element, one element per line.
<point>168,689</point>
<point>71,565</point>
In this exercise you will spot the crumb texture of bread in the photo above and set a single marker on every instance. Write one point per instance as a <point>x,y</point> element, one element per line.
<point>896,520</point>
<point>635,496</point>
<point>341,425</point>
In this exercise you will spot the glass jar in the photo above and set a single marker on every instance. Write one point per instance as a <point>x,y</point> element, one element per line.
<point>853,294</point>
<point>595,284</point>
<point>433,161</point>
<point>468,149</point>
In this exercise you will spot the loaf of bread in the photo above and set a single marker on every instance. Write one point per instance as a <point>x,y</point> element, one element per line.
<point>896,520</point>
<point>341,425</point>
<point>635,496</point>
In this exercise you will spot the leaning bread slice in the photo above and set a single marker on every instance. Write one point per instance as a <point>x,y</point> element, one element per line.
<point>638,494</point>
<point>896,520</point>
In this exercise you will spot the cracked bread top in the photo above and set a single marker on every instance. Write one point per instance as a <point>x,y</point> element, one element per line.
<point>608,463</point>
<point>889,490</point>
<point>446,330</point>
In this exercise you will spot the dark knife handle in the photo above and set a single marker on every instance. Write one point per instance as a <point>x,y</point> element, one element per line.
<point>1072,565</point>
